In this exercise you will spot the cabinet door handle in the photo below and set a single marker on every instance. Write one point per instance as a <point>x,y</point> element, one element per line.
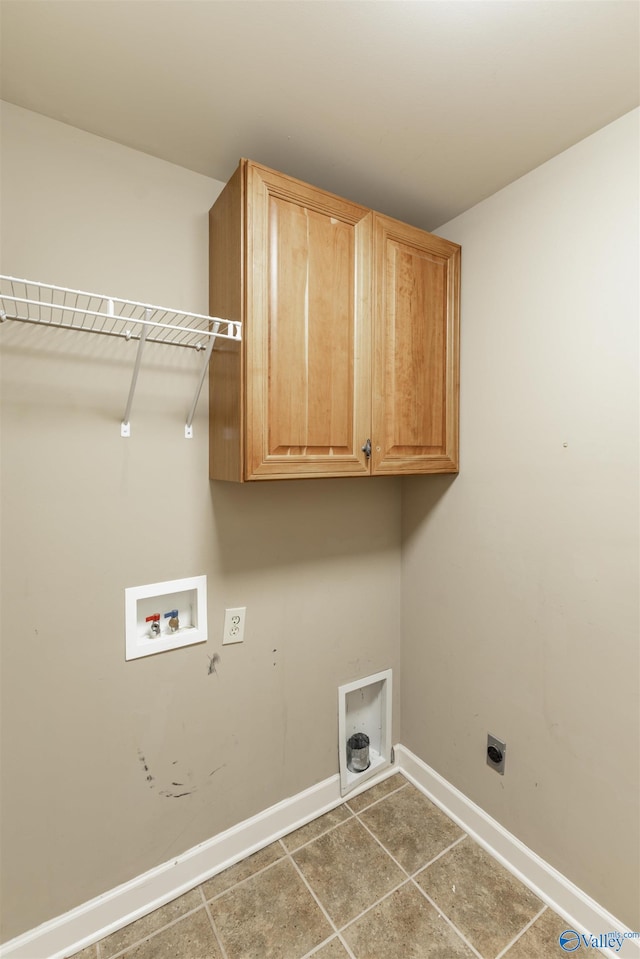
<point>366,449</point>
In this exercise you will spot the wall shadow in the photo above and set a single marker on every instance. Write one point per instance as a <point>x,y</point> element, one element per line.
<point>285,522</point>
<point>421,495</point>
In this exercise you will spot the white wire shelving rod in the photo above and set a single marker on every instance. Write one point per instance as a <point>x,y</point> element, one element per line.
<point>125,426</point>
<point>29,301</point>
<point>188,429</point>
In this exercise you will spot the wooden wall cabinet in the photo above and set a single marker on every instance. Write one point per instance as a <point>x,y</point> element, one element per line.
<point>348,364</point>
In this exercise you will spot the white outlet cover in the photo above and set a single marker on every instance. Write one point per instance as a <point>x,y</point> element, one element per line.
<point>234,625</point>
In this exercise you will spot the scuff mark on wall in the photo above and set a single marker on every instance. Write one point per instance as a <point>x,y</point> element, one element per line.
<point>167,792</point>
<point>143,761</point>
<point>213,661</point>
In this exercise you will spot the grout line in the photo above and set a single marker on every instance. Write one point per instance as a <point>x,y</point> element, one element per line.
<point>455,843</point>
<point>410,879</point>
<point>345,945</point>
<point>326,831</point>
<point>382,846</point>
<point>336,933</point>
<point>374,905</point>
<point>150,935</point>
<point>321,945</point>
<point>398,864</point>
<point>521,933</point>
<point>241,882</point>
<point>303,877</point>
<point>326,942</point>
<point>382,798</point>
<point>446,919</point>
<point>214,927</point>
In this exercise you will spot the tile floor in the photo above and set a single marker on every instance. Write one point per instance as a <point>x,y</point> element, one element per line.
<point>386,875</point>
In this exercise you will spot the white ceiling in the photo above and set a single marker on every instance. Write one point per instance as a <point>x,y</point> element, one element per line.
<point>417,109</point>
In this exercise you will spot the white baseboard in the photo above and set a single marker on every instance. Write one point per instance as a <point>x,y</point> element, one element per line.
<point>585,915</point>
<point>86,924</point>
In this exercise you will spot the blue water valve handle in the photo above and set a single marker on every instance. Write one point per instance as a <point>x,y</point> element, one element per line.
<point>173,613</point>
<point>174,622</point>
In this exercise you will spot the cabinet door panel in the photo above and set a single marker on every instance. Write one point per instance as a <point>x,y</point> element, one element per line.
<point>308,330</point>
<point>415,406</point>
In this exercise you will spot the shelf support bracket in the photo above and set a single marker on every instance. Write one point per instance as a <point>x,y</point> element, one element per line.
<point>125,426</point>
<point>188,429</point>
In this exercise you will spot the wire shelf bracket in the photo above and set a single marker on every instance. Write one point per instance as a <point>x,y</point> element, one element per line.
<point>28,301</point>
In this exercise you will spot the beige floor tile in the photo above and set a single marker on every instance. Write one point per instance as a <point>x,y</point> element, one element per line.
<point>542,939</point>
<point>405,926</point>
<point>487,903</point>
<point>270,916</point>
<point>242,870</point>
<point>264,910</point>
<point>358,803</point>
<point>316,827</point>
<point>347,870</point>
<point>333,950</point>
<point>148,924</point>
<point>190,938</point>
<point>411,827</point>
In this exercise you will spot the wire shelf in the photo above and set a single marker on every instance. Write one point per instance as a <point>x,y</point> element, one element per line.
<point>30,302</point>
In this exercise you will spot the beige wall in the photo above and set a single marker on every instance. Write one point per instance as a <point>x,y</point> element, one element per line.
<point>520,577</point>
<point>86,513</point>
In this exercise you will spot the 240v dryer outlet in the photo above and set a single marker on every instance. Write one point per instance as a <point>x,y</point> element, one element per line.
<point>234,625</point>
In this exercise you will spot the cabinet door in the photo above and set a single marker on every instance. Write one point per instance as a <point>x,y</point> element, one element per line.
<point>416,354</point>
<point>307,330</point>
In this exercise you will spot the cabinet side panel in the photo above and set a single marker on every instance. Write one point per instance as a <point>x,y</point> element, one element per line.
<point>416,351</point>
<point>226,301</point>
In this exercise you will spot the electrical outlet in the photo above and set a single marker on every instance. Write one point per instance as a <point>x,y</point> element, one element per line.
<point>496,754</point>
<point>234,625</point>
